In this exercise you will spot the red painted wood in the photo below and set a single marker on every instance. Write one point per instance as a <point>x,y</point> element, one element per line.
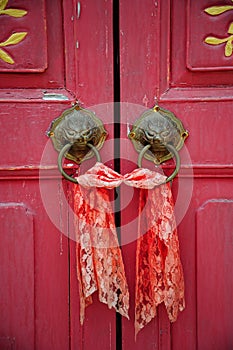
<point>25,170</point>
<point>154,65</point>
<point>39,258</point>
<point>214,274</point>
<point>139,62</point>
<point>153,52</point>
<point>94,52</point>
<point>41,52</point>
<point>207,61</point>
<point>91,71</point>
<point>30,55</point>
<point>139,51</point>
<point>185,44</point>
<point>207,57</point>
<point>17,297</point>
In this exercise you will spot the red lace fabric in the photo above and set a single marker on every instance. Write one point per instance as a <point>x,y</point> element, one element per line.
<point>159,274</point>
<point>99,259</point>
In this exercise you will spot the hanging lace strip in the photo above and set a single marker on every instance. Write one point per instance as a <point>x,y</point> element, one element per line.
<point>159,274</point>
<point>99,259</point>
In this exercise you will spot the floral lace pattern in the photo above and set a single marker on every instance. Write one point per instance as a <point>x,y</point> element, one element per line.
<point>99,259</point>
<point>159,274</point>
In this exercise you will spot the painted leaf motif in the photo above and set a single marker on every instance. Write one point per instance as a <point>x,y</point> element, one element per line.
<point>213,41</point>
<point>217,10</point>
<point>13,12</point>
<point>14,39</point>
<point>5,57</point>
<point>228,48</point>
<point>230,30</point>
<point>3,4</point>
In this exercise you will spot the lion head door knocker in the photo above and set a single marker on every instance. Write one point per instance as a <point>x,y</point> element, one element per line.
<point>158,136</point>
<point>78,135</point>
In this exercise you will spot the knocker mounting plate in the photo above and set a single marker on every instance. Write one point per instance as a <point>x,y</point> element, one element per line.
<point>79,128</point>
<point>158,127</point>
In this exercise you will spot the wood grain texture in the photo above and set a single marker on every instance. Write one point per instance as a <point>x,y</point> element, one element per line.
<point>153,67</point>
<point>17,298</point>
<point>214,235</point>
<point>203,105</point>
<point>92,72</point>
<point>41,264</point>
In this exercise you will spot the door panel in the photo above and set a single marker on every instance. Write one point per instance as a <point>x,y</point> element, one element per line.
<point>214,274</point>
<point>67,55</point>
<point>94,89</point>
<point>164,59</point>
<point>17,274</point>
<point>40,52</point>
<point>39,292</point>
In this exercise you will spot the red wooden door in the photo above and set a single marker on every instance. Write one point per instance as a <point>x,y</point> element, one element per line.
<point>51,53</point>
<point>97,52</point>
<point>166,57</point>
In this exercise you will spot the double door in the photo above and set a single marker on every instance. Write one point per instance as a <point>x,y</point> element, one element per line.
<point>100,53</point>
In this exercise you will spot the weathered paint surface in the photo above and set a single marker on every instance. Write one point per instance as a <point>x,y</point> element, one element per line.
<point>39,292</point>
<point>158,62</point>
<point>162,60</point>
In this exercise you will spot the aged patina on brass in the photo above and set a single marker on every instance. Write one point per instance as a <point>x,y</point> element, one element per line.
<point>158,127</point>
<point>79,128</point>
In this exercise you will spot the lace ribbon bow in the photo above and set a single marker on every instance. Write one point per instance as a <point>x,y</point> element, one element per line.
<point>159,275</point>
<point>99,259</point>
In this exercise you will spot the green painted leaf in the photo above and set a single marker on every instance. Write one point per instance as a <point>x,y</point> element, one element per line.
<point>14,39</point>
<point>228,48</point>
<point>5,57</point>
<point>217,10</point>
<point>213,41</point>
<point>3,4</point>
<point>14,12</point>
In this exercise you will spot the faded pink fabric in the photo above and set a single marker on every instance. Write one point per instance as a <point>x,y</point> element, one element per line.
<point>99,260</point>
<point>159,274</point>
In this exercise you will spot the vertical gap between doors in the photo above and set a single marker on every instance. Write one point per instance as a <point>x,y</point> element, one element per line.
<point>117,164</point>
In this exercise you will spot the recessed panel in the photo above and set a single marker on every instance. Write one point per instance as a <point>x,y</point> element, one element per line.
<point>23,37</point>
<point>214,275</point>
<point>31,45</point>
<point>16,277</point>
<point>200,43</point>
<point>210,35</point>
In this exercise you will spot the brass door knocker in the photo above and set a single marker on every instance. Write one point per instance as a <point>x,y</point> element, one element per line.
<point>158,136</point>
<point>78,135</point>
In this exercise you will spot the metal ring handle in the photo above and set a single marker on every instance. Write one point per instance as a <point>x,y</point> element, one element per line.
<point>172,150</point>
<point>63,152</point>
